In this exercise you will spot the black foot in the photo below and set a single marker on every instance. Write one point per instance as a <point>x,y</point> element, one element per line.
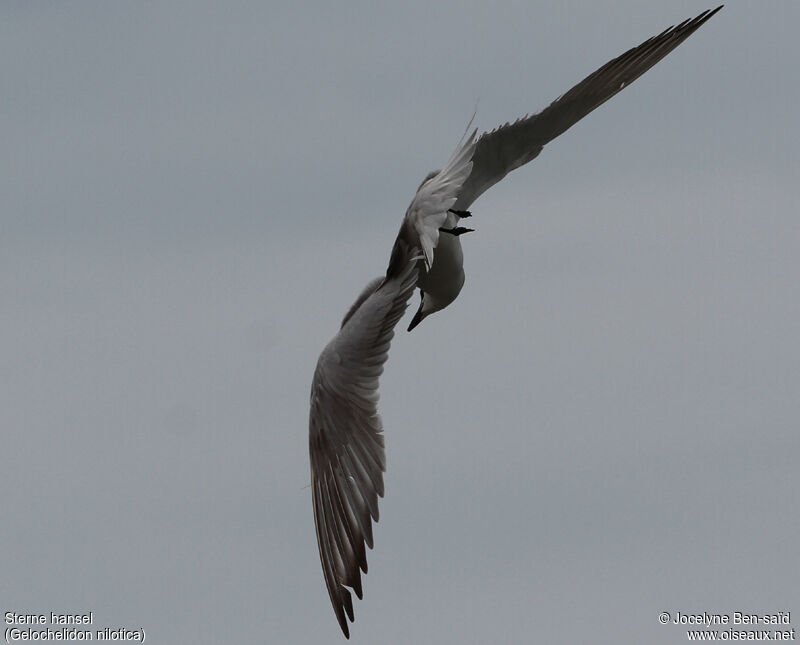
<point>456,230</point>
<point>460,213</point>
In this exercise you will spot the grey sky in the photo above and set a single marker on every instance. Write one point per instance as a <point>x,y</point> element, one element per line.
<point>602,427</point>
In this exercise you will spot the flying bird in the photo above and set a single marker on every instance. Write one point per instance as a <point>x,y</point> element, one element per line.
<point>345,431</point>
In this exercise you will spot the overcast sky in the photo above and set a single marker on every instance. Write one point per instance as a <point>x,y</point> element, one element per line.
<point>603,426</point>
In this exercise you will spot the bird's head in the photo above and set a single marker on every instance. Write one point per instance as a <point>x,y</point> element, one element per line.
<point>428,305</point>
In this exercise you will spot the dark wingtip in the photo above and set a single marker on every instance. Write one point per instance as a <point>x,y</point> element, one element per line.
<point>343,623</point>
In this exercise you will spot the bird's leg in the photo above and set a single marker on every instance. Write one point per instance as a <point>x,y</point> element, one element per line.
<point>456,230</point>
<point>458,213</point>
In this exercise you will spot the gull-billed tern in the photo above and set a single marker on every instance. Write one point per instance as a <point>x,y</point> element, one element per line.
<point>345,430</point>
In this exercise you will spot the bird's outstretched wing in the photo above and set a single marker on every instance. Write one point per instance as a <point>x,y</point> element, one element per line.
<point>514,144</point>
<point>345,440</point>
<point>428,210</point>
<point>345,430</point>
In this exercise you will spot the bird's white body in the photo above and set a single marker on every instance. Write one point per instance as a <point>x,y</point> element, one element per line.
<point>442,283</point>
